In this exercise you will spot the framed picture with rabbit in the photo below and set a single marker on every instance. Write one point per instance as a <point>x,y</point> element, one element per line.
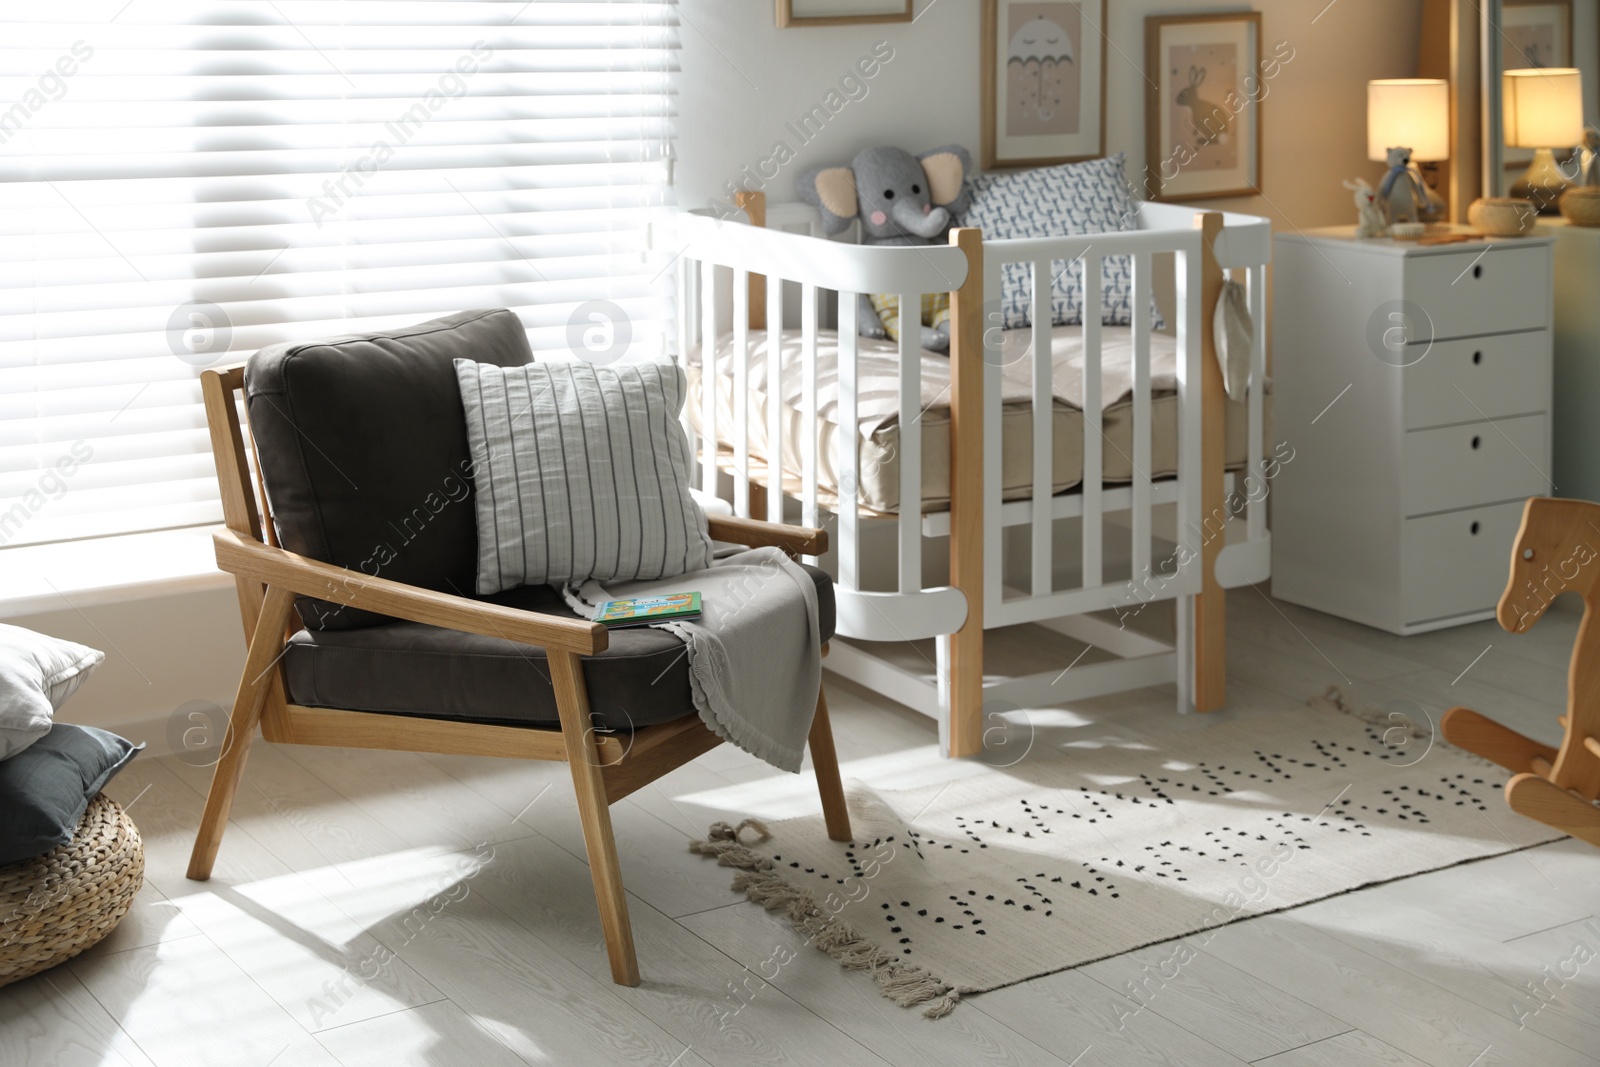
<point>1205,83</point>
<point>1044,82</point>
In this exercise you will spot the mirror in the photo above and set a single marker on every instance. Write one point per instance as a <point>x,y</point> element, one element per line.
<point>1524,35</point>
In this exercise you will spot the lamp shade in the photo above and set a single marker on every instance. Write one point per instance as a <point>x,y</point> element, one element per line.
<point>1543,107</point>
<point>1409,113</point>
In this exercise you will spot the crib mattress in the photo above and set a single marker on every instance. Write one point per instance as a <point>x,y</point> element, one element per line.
<point>879,423</point>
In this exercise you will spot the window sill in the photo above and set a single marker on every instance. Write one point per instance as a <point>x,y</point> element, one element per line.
<point>72,575</point>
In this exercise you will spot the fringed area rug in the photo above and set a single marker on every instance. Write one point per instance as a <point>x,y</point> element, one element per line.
<point>1076,855</point>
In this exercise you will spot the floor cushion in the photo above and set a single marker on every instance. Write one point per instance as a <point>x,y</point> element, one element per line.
<point>37,674</point>
<point>45,788</point>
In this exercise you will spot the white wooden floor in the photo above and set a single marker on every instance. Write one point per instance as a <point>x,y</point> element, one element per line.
<point>375,908</point>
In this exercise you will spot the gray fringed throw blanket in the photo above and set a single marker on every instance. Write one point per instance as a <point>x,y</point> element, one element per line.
<point>755,665</point>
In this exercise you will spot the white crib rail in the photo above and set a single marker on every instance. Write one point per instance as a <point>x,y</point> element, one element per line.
<point>1043,600</point>
<point>710,245</point>
<point>1245,247</point>
<point>825,264</point>
<point>1061,597</point>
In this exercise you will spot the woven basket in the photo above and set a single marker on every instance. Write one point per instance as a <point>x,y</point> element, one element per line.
<point>1581,206</point>
<point>54,906</point>
<point>1503,216</point>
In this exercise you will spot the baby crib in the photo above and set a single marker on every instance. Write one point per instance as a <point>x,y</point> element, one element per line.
<point>956,509</point>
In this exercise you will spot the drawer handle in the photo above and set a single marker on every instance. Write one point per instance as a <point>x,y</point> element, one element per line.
<point>1477,270</point>
<point>1477,358</point>
<point>1474,529</point>
<point>1476,441</point>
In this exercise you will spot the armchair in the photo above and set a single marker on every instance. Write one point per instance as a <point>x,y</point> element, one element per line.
<point>380,656</point>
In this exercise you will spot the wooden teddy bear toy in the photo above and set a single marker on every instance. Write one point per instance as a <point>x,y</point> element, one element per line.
<point>1555,552</point>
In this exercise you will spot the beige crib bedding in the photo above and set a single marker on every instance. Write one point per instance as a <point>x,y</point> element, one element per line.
<point>878,413</point>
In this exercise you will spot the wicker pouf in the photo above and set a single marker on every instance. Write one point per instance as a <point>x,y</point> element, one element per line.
<point>54,906</point>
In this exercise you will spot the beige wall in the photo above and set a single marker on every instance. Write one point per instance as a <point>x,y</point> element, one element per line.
<point>743,77</point>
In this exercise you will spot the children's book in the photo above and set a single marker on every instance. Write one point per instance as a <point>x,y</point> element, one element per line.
<point>645,611</point>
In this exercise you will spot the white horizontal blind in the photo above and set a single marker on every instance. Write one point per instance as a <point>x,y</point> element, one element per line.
<point>185,181</point>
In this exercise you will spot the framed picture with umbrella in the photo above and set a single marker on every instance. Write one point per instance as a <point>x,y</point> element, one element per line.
<point>1205,81</point>
<point>1044,81</point>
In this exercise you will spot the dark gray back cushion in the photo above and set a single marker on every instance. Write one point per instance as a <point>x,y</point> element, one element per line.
<point>363,447</point>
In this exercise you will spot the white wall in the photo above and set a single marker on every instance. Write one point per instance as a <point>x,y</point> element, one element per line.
<point>743,78</point>
<point>162,653</point>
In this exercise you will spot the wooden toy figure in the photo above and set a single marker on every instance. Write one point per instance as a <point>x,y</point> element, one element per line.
<point>1557,550</point>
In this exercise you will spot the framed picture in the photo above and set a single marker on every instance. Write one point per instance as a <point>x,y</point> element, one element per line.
<point>1536,33</point>
<point>1044,81</point>
<point>841,12</point>
<point>1202,122</point>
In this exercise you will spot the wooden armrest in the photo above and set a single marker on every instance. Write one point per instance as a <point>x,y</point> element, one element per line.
<point>796,540</point>
<point>249,558</point>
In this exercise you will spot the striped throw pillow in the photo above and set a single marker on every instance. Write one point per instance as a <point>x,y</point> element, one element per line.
<point>581,472</point>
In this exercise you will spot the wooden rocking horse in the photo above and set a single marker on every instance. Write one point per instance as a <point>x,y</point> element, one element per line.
<point>1557,551</point>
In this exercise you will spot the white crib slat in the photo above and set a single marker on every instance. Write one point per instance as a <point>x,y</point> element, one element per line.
<point>910,520</point>
<point>993,357</point>
<point>1093,469</point>
<point>849,460</point>
<point>774,398</point>
<point>708,370</point>
<point>1184,646</point>
<point>808,443</point>
<point>1255,466</point>
<point>1141,417</point>
<point>741,393</point>
<point>1042,562</point>
<point>1191,409</point>
<point>686,316</point>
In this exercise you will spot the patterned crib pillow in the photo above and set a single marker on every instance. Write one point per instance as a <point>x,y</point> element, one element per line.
<point>1075,198</point>
<point>581,472</point>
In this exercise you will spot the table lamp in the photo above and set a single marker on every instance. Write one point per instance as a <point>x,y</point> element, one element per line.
<point>1543,109</point>
<point>1408,119</point>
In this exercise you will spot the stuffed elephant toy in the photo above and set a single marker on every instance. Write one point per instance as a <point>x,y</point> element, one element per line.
<point>899,199</point>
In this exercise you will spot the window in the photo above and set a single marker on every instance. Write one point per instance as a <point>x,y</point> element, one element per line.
<point>183,182</point>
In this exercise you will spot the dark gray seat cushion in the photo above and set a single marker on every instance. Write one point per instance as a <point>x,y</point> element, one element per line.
<point>408,668</point>
<point>363,447</point>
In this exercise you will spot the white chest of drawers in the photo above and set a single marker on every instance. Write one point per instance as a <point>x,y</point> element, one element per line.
<point>1414,385</point>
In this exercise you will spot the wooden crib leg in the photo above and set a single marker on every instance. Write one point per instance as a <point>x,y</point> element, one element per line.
<point>1531,795</point>
<point>1466,729</point>
<point>965,733</point>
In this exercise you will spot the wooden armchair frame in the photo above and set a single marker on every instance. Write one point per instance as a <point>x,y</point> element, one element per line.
<point>604,768</point>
